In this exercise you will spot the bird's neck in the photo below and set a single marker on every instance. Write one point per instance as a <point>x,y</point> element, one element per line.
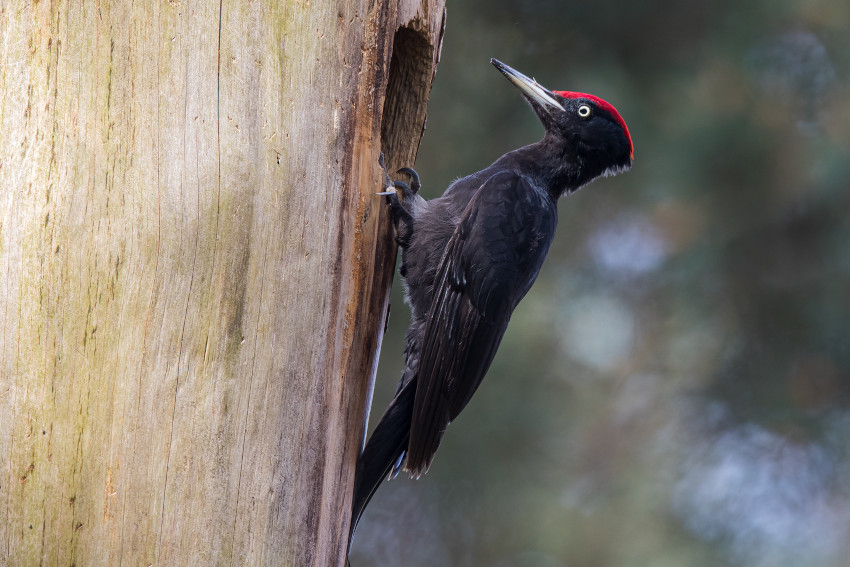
<point>551,163</point>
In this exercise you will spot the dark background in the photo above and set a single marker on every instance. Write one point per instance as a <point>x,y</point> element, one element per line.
<point>675,389</point>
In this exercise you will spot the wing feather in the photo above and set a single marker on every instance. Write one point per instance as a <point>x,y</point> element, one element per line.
<point>489,263</point>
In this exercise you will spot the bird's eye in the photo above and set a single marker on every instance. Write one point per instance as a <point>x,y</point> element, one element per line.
<point>584,110</point>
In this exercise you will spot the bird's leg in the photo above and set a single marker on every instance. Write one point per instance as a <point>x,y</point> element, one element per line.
<point>402,219</point>
<point>402,213</point>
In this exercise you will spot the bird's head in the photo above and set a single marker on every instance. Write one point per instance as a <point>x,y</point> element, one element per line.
<point>592,129</point>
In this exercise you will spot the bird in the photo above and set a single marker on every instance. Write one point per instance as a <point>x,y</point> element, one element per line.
<point>468,258</point>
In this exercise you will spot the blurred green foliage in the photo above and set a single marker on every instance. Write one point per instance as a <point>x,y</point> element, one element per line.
<point>675,389</point>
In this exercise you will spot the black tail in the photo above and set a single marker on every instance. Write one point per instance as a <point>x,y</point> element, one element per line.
<point>383,452</point>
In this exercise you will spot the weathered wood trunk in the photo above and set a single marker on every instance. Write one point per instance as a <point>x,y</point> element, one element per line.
<point>194,270</point>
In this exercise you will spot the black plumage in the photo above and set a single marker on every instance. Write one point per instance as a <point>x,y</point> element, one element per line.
<point>468,258</point>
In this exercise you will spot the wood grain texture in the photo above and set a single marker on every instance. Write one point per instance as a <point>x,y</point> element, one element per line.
<point>195,271</point>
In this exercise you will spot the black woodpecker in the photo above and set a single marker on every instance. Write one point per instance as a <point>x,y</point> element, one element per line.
<point>468,258</point>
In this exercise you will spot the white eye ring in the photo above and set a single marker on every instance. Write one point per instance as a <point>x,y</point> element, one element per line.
<point>584,110</point>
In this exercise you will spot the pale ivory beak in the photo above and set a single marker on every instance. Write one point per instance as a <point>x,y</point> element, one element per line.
<point>531,88</point>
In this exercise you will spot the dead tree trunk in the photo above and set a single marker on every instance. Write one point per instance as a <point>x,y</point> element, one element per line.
<point>194,270</point>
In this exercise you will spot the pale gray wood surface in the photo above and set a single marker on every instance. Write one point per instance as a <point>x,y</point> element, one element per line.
<point>194,271</point>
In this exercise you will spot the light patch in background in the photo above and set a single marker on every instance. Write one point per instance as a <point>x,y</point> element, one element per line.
<point>628,247</point>
<point>599,331</point>
<point>771,500</point>
<point>796,69</point>
<point>636,398</point>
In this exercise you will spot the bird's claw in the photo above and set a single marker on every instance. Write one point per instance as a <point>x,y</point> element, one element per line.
<point>387,181</point>
<point>414,179</point>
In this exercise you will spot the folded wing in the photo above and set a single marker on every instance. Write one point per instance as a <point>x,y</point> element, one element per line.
<point>489,264</point>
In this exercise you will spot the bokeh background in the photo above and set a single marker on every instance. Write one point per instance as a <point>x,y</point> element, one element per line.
<point>675,389</point>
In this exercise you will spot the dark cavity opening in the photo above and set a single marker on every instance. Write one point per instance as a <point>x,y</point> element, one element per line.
<point>408,87</point>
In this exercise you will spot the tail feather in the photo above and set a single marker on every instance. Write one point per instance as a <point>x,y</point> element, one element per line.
<point>383,453</point>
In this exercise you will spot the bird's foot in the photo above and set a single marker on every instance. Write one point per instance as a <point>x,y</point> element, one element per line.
<point>401,196</point>
<point>415,185</point>
<point>399,187</point>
